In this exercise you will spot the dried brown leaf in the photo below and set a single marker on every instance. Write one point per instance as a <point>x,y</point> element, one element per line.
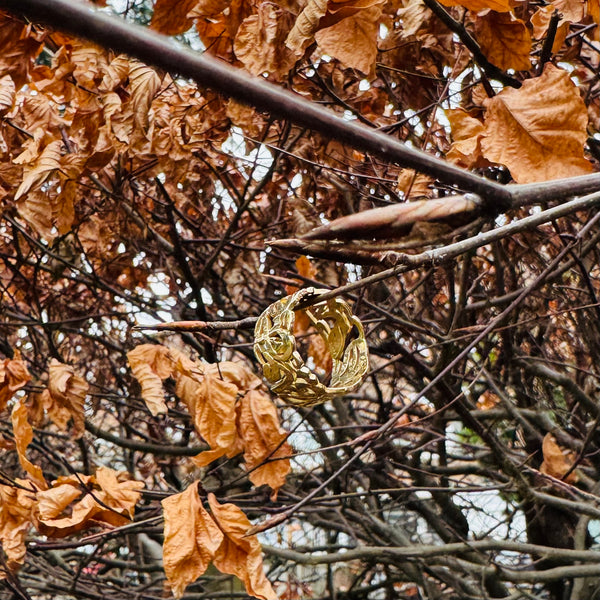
<point>245,117</point>
<point>413,184</point>
<point>557,462</point>
<point>260,42</point>
<point>46,164</point>
<point>264,439</point>
<point>7,94</point>
<point>109,498</point>
<point>38,209</point>
<point>16,519</point>
<point>208,8</point>
<point>23,433</point>
<point>539,130</point>
<point>57,412</point>
<point>65,206</point>
<point>236,373</point>
<point>144,83</point>
<point>191,538</point>
<point>353,41</point>
<point>239,555</point>
<point>414,15</point>
<point>150,365</point>
<point>18,49</point>
<point>69,390</point>
<point>467,133</point>
<point>115,74</point>
<point>171,16</point>
<point>211,402</point>
<point>307,24</point>
<point>13,376</point>
<point>52,502</point>
<point>306,269</point>
<point>58,515</point>
<point>504,39</point>
<point>541,21</point>
<point>120,492</point>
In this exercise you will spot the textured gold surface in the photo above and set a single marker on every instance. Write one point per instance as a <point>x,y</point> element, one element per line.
<point>283,367</point>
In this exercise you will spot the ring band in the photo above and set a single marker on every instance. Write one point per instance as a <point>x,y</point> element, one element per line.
<point>283,367</point>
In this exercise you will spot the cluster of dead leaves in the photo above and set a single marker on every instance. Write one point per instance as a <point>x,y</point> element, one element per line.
<point>195,537</point>
<point>71,504</point>
<point>229,409</point>
<point>537,131</point>
<point>269,38</point>
<point>62,402</point>
<point>230,412</point>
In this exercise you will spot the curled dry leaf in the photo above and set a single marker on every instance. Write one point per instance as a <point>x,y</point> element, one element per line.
<point>46,164</point>
<point>211,393</point>
<point>13,376</point>
<point>467,133</point>
<point>69,390</point>
<point>538,131</point>
<point>7,94</point>
<point>570,11</point>
<point>121,493</point>
<point>307,24</point>
<point>235,373</point>
<point>246,117</point>
<point>144,83</point>
<point>18,48</point>
<point>239,555</point>
<point>541,21</point>
<point>264,440</point>
<point>115,74</point>
<point>109,499</point>
<point>557,462</point>
<point>57,412</point>
<point>504,39</point>
<point>353,40</point>
<point>23,433</point>
<point>16,519</point>
<point>414,185</point>
<point>150,364</point>
<point>191,538</point>
<point>64,490</point>
<point>306,269</point>
<point>47,212</point>
<point>208,8</point>
<point>259,42</point>
<point>211,402</point>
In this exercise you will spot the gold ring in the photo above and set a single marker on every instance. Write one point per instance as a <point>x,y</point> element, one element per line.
<point>283,367</point>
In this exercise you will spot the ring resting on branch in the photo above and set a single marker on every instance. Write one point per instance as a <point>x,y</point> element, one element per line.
<point>283,367</point>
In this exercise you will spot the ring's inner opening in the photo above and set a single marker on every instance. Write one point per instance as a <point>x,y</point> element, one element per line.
<point>312,346</point>
<point>353,334</point>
